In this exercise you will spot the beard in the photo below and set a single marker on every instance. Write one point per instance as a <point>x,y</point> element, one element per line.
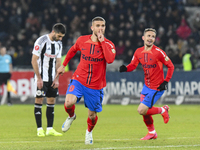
<point>54,38</point>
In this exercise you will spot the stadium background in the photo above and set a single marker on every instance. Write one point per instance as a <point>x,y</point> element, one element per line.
<point>177,23</point>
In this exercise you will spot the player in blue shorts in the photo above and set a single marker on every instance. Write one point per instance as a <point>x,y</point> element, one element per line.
<point>92,98</point>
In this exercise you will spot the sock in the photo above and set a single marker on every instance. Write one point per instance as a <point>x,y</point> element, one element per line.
<point>91,123</point>
<point>163,110</point>
<point>50,115</point>
<point>154,110</point>
<point>148,120</point>
<point>70,110</point>
<point>38,114</point>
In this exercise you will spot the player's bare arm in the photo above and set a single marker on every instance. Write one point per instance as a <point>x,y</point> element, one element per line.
<point>55,83</point>
<point>36,70</point>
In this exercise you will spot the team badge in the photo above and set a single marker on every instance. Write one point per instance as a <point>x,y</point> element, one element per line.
<point>166,58</point>
<point>36,47</point>
<point>38,92</point>
<point>113,50</point>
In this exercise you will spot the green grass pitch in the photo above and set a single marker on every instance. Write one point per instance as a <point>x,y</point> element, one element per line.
<point>118,127</point>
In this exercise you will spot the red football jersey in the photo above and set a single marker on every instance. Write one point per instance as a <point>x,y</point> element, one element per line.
<point>152,63</point>
<point>91,71</point>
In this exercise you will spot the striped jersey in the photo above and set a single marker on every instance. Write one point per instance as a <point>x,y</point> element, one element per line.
<point>47,51</point>
<point>91,71</point>
<point>152,63</point>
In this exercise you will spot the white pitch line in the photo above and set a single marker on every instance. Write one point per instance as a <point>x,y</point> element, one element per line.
<point>136,147</point>
<point>133,139</point>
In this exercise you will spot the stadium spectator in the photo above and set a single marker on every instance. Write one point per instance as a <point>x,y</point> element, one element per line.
<point>46,59</point>
<point>90,76</point>
<point>5,74</point>
<point>123,15</point>
<point>183,31</point>
<point>151,57</point>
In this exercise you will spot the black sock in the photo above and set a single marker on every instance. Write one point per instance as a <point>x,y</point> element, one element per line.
<point>50,115</point>
<point>38,114</point>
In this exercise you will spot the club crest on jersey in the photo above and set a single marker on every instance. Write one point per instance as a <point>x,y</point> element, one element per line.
<point>36,47</point>
<point>166,58</point>
<point>113,50</point>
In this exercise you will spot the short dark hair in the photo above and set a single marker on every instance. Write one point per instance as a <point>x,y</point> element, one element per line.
<point>149,29</point>
<point>59,28</point>
<point>98,18</point>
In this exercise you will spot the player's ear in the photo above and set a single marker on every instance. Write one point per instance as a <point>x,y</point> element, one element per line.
<point>92,28</point>
<point>143,38</point>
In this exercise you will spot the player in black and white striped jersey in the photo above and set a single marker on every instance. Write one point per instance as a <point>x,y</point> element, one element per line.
<point>46,59</point>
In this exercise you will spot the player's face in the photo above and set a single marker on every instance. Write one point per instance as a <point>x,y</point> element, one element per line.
<point>57,36</point>
<point>149,38</point>
<point>3,51</point>
<point>98,26</point>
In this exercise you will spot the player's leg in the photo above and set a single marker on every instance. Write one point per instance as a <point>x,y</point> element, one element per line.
<point>50,117</point>
<point>91,121</point>
<point>51,94</point>
<point>38,116</point>
<point>147,95</point>
<point>39,97</point>
<point>73,95</point>
<point>93,101</point>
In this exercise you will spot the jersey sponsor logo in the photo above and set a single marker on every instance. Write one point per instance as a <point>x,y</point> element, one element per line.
<point>36,47</point>
<point>71,88</point>
<point>149,66</point>
<point>51,56</point>
<point>88,58</point>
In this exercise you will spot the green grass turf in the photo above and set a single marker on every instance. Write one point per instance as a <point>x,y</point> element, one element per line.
<point>118,127</point>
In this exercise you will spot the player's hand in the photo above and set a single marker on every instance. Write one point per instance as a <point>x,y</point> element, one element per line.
<point>60,71</point>
<point>39,83</point>
<point>122,68</point>
<point>100,36</point>
<point>163,86</point>
<point>55,83</point>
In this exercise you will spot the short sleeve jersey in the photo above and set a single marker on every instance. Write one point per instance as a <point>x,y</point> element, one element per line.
<point>47,51</point>
<point>5,62</point>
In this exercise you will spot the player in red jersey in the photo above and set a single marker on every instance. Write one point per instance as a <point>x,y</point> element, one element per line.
<point>152,59</point>
<point>90,76</point>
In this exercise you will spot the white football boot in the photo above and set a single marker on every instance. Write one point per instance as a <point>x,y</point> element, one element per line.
<point>88,138</point>
<point>66,125</point>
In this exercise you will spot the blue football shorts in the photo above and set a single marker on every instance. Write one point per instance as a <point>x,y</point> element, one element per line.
<point>92,98</point>
<point>149,96</point>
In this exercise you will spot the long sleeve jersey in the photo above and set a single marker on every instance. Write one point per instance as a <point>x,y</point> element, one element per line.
<point>152,63</point>
<point>91,71</point>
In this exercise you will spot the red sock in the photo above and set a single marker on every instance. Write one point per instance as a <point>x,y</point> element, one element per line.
<point>91,123</point>
<point>154,110</point>
<point>148,120</point>
<point>70,110</point>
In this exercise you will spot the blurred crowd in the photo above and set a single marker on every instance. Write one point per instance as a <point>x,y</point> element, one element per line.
<point>23,21</point>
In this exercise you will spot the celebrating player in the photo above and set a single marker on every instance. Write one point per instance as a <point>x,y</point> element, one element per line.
<point>45,61</point>
<point>152,59</point>
<point>90,76</point>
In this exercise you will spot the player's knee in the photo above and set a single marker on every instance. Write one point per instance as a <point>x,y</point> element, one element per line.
<point>141,111</point>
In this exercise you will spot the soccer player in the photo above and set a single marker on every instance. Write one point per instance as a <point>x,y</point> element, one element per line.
<point>46,59</point>
<point>5,74</point>
<point>152,59</point>
<point>90,76</point>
